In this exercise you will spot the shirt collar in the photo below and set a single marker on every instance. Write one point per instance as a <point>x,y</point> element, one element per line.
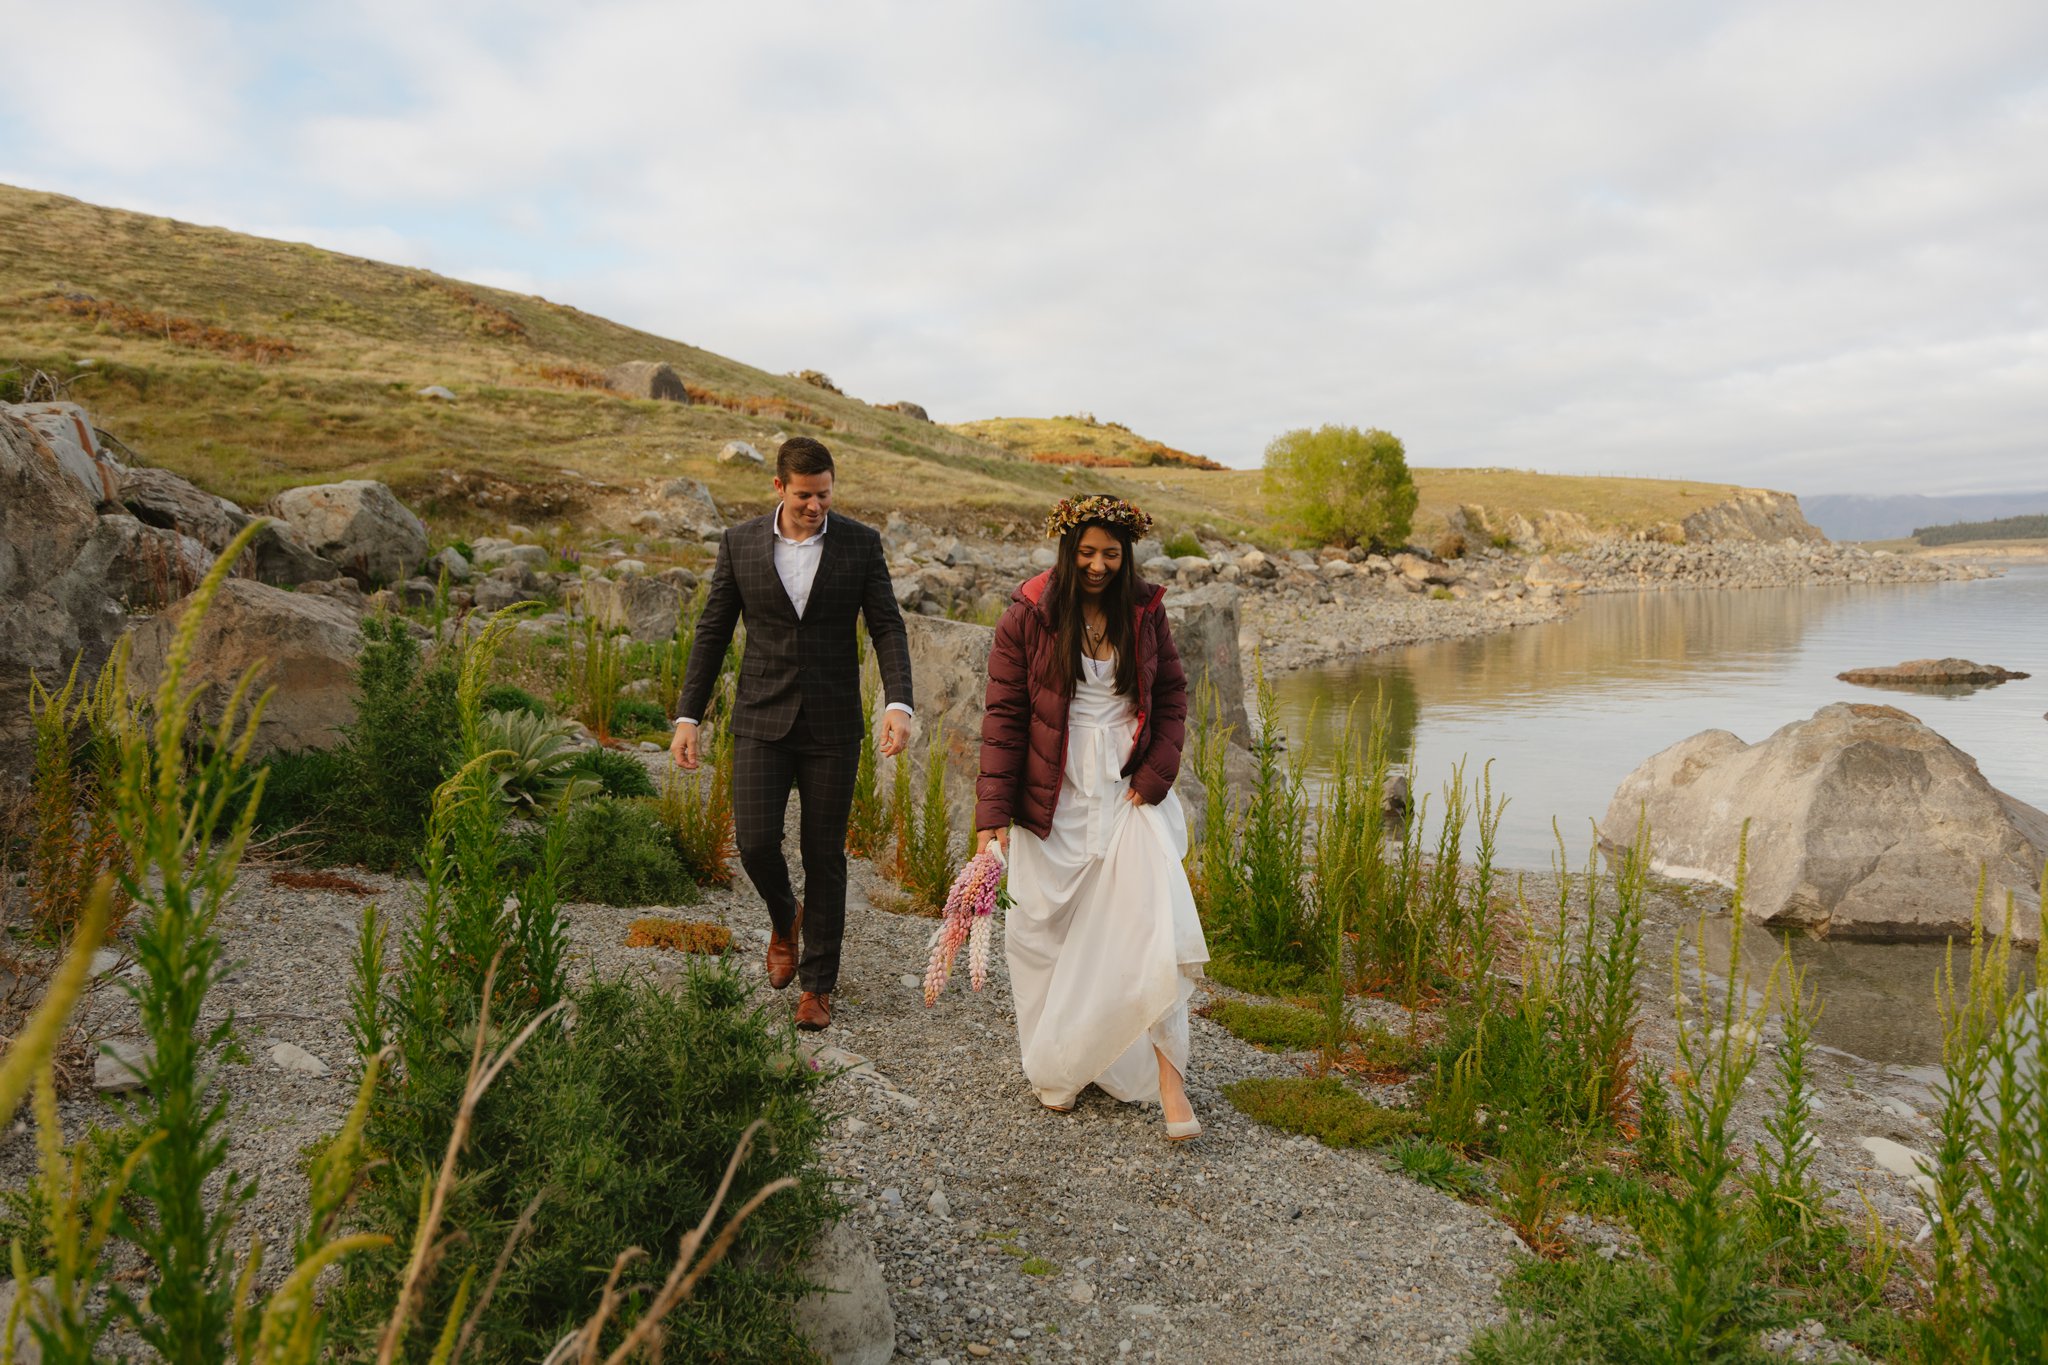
<point>775,525</point>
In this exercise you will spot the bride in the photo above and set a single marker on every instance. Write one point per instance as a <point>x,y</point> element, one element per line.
<point>1087,709</point>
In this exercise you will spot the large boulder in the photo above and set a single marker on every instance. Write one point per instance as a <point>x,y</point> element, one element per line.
<point>306,643</point>
<point>949,670</point>
<point>159,498</point>
<point>681,508</point>
<point>848,1319</point>
<point>646,608</point>
<point>1205,627</point>
<point>68,574</point>
<point>647,379</point>
<point>1863,823</point>
<point>359,524</point>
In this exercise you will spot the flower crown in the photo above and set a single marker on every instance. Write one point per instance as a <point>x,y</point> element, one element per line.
<point>1072,512</point>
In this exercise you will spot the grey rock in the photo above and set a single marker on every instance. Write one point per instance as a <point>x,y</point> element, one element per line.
<point>359,524</point>
<point>118,1067</point>
<point>647,379</point>
<point>739,452</point>
<point>307,646</point>
<point>1863,823</point>
<point>27,1351</point>
<point>646,608</point>
<point>451,560</point>
<point>292,1057</point>
<point>438,392</point>
<point>849,1320</point>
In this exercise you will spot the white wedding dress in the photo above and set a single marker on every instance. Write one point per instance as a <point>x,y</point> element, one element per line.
<point>1103,939</point>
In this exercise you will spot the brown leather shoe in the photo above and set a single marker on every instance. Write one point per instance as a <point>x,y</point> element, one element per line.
<point>782,952</point>
<point>813,1011</point>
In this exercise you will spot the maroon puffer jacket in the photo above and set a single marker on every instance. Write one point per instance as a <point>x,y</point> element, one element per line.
<point>1024,732</point>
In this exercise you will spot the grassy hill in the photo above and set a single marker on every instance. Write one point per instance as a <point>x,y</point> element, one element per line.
<point>251,365</point>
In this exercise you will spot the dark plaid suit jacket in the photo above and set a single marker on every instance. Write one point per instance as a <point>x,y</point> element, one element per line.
<point>793,663</point>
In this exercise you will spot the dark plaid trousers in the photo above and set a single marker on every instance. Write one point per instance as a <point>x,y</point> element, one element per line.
<point>763,771</point>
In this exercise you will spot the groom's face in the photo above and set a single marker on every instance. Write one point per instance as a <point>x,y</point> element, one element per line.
<point>805,500</point>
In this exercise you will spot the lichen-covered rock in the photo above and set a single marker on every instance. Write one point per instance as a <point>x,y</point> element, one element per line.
<point>1863,823</point>
<point>306,643</point>
<point>646,608</point>
<point>1931,673</point>
<point>359,524</point>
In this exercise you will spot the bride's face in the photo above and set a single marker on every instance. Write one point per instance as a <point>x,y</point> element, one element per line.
<point>1097,557</point>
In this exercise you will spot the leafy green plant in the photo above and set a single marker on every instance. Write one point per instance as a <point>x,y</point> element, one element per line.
<point>615,773</point>
<point>1182,544</point>
<point>1712,1301</point>
<point>1288,1028</point>
<point>696,807</point>
<point>1213,873</point>
<point>73,788</point>
<point>401,745</point>
<point>1255,977</point>
<point>619,852</point>
<point>1986,1195</point>
<point>1268,908</point>
<point>532,764</point>
<point>610,1135</point>
<point>930,857</point>
<point>1429,1162</point>
<point>867,821</point>
<point>1785,1199</point>
<point>599,669</point>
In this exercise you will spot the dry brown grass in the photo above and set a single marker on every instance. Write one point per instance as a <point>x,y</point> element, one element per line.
<point>296,880</point>
<point>179,331</point>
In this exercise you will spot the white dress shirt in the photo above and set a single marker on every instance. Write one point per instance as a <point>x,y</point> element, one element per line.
<point>796,564</point>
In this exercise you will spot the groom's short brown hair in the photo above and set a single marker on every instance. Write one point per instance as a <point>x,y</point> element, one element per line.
<point>802,455</point>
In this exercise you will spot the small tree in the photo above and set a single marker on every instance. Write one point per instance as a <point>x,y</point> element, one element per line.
<point>1342,486</point>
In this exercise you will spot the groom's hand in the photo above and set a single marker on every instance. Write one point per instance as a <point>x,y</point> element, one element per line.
<point>683,747</point>
<point>895,734</point>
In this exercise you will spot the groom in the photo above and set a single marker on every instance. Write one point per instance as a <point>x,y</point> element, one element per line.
<point>799,577</point>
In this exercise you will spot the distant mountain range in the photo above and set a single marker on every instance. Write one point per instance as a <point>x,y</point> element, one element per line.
<point>1853,516</point>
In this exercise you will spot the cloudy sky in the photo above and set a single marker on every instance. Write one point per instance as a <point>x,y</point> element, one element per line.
<point>1801,243</point>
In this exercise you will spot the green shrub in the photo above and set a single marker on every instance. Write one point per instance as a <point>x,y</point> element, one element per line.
<point>507,697</point>
<point>1182,545</point>
<point>1428,1162</point>
<point>620,853</point>
<point>929,856</point>
<point>696,810</point>
<point>1256,977</point>
<point>400,747</point>
<point>621,1127</point>
<point>619,774</point>
<point>633,715</point>
<point>1322,1107</point>
<point>867,821</point>
<point>302,791</point>
<point>1339,485</point>
<point>1288,1028</point>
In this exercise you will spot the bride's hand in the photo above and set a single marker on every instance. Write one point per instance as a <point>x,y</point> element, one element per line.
<point>1001,837</point>
<point>1136,798</point>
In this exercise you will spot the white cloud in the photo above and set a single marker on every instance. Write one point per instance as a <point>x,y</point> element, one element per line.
<point>1787,244</point>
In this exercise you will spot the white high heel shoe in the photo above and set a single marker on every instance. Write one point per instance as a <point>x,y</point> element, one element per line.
<point>1183,1132</point>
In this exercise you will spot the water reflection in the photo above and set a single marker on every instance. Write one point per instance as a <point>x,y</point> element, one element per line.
<point>1566,710</point>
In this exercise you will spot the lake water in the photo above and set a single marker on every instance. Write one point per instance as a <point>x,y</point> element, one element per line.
<point>1565,711</point>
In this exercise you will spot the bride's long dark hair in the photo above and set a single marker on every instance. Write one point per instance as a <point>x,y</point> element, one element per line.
<point>1063,604</point>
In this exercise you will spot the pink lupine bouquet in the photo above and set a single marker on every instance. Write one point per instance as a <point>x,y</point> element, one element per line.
<point>970,917</point>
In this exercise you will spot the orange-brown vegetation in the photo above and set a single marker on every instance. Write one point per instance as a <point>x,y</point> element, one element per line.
<point>180,331</point>
<point>490,319</point>
<point>571,375</point>
<point>759,405</point>
<point>679,935</point>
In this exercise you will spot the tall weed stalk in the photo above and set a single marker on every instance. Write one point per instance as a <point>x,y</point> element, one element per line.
<point>867,821</point>
<point>600,671</point>
<point>1272,921</point>
<point>931,857</point>
<point>1785,1199</point>
<point>1213,871</point>
<point>1986,1196</point>
<point>1712,1300</point>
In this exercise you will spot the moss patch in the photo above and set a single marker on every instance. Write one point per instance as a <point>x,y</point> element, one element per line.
<point>1321,1107</point>
<point>679,935</point>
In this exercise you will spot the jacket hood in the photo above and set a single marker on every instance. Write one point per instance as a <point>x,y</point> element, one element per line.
<point>1031,592</point>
